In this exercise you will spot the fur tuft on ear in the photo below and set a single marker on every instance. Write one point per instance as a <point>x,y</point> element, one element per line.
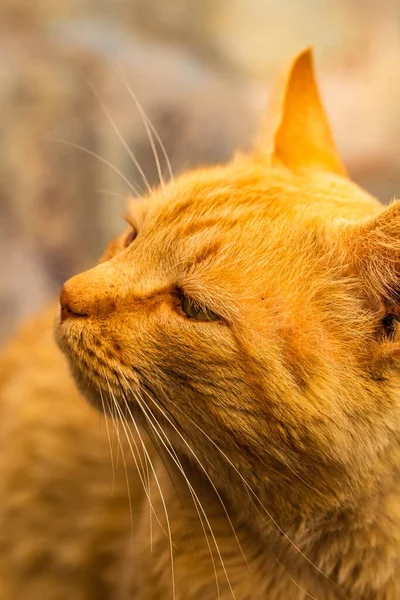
<point>296,130</point>
<point>375,249</point>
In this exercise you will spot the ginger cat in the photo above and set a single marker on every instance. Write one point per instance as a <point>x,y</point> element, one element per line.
<point>247,324</point>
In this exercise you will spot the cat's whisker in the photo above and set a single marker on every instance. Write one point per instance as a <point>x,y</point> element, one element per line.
<point>111,193</point>
<point>192,491</point>
<point>163,503</point>
<point>159,140</point>
<point>123,457</point>
<point>147,461</point>
<point>156,135</point>
<point>306,594</point>
<point>109,440</point>
<point>161,454</point>
<point>115,433</point>
<point>195,498</point>
<point>103,160</point>
<point>124,80</point>
<point>252,492</point>
<point>137,429</point>
<point>299,477</point>
<point>121,418</point>
<point>196,501</point>
<point>121,138</point>
<point>137,457</point>
<point>168,523</point>
<point>273,554</point>
<point>150,130</point>
<point>204,471</point>
<point>142,469</point>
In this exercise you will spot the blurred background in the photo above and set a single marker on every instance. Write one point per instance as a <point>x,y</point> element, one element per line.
<point>201,70</point>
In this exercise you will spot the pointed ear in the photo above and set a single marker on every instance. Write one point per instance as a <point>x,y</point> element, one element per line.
<point>375,251</point>
<point>296,130</point>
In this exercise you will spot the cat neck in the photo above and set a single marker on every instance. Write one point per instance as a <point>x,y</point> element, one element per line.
<point>355,545</point>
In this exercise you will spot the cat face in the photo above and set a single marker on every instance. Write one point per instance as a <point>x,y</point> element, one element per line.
<point>234,311</point>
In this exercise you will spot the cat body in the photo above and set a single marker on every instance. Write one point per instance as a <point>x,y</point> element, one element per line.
<point>248,327</point>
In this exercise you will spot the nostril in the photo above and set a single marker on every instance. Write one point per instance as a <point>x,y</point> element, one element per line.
<point>65,313</point>
<point>67,308</point>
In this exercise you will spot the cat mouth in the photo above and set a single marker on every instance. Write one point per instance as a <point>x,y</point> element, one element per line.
<point>101,379</point>
<point>85,364</point>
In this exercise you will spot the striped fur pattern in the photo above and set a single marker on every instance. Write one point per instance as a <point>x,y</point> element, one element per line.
<point>276,421</point>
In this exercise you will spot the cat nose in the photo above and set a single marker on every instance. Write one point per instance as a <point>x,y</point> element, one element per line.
<point>92,293</point>
<point>68,309</point>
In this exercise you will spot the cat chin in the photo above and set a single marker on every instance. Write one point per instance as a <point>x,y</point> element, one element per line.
<point>85,386</point>
<point>90,391</point>
<point>82,381</point>
<point>61,332</point>
<point>57,334</point>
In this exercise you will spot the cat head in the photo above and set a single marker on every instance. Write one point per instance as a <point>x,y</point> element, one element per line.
<point>250,309</point>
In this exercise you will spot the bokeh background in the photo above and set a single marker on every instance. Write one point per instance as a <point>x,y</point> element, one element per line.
<point>202,71</point>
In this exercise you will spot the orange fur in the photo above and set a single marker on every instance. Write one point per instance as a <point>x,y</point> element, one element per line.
<point>289,400</point>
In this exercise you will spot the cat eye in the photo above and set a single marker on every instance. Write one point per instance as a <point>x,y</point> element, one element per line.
<point>390,325</point>
<point>194,310</point>
<point>130,237</point>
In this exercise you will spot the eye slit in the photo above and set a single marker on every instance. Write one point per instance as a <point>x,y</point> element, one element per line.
<point>130,238</point>
<point>194,310</point>
<point>389,323</point>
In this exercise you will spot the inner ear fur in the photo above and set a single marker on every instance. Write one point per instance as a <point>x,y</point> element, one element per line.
<point>296,131</point>
<point>373,247</point>
<point>375,250</point>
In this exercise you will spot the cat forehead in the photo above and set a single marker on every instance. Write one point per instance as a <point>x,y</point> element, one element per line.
<point>222,221</point>
<point>246,191</point>
<point>220,193</point>
<point>205,206</point>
